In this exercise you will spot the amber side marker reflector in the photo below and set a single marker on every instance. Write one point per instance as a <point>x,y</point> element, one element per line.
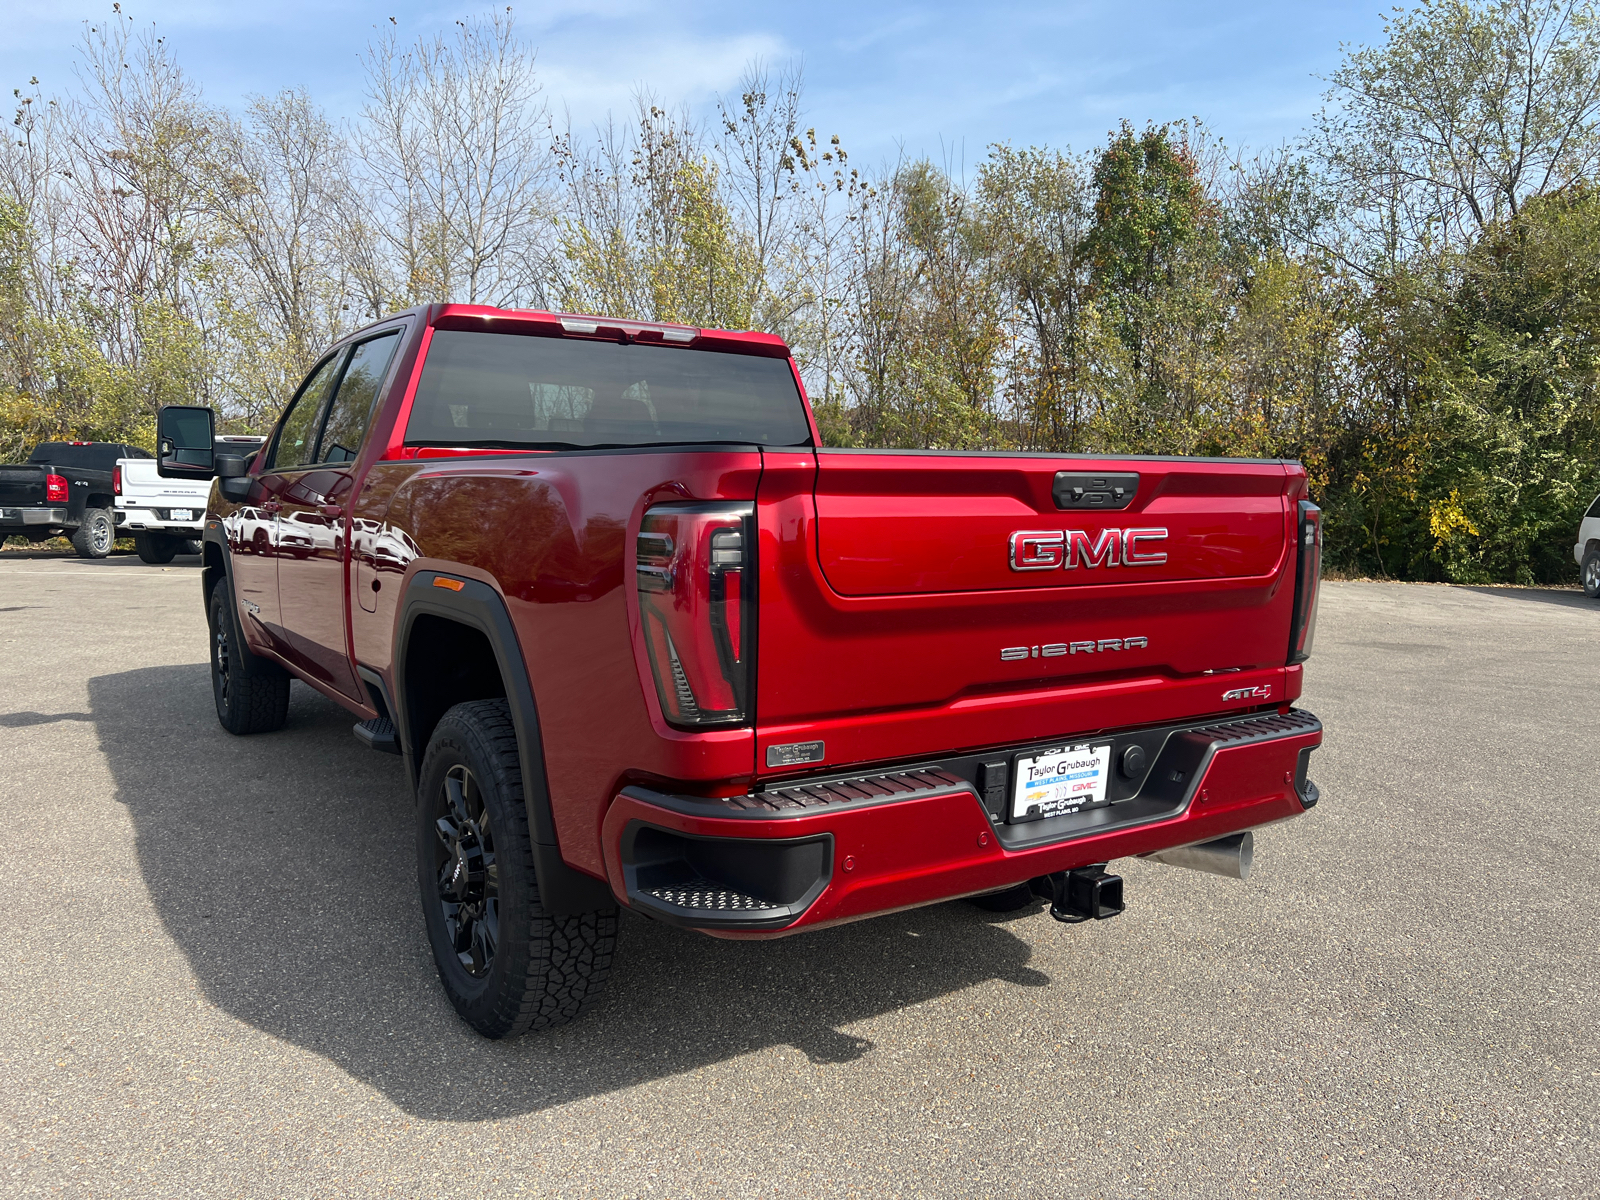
<point>455,585</point>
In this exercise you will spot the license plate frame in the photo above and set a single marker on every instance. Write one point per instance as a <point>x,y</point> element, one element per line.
<point>1057,782</point>
<point>180,514</point>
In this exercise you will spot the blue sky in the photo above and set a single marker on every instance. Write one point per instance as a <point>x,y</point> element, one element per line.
<point>942,79</point>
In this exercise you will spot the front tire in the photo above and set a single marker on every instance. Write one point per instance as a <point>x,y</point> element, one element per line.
<point>1591,573</point>
<point>506,964</point>
<point>251,693</point>
<point>154,548</point>
<point>94,537</point>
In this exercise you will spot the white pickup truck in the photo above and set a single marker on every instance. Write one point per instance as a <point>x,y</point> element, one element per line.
<point>166,516</point>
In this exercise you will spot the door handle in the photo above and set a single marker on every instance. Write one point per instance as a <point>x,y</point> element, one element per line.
<point>332,511</point>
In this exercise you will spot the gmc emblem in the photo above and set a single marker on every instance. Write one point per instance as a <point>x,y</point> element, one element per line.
<point>1067,549</point>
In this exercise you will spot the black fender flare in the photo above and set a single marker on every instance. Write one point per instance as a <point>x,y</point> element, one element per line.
<point>563,890</point>
<point>214,535</point>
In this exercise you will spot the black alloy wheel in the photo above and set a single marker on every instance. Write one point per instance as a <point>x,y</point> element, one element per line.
<point>468,879</point>
<point>222,662</point>
<point>506,964</point>
<point>251,693</point>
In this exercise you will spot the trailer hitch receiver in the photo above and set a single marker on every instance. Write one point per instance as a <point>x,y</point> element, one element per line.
<point>1081,894</point>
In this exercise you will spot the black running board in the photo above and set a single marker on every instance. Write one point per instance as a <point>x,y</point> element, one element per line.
<point>378,734</point>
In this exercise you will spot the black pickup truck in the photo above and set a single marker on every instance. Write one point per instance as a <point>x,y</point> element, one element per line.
<point>65,488</point>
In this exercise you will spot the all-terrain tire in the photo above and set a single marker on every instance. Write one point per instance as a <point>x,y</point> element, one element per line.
<point>93,538</point>
<point>506,964</point>
<point>1591,573</point>
<point>251,693</point>
<point>1009,900</point>
<point>154,548</point>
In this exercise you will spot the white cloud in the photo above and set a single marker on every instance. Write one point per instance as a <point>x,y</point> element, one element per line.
<point>596,75</point>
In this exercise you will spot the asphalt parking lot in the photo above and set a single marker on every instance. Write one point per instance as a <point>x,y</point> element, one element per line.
<point>216,981</point>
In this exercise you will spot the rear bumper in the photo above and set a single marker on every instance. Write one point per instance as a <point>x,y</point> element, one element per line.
<point>816,853</point>
<point>33,516</point>
<point>155,520</point>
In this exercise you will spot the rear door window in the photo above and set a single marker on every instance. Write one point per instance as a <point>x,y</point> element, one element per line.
<point>351,411</point>
<point>513,390</point>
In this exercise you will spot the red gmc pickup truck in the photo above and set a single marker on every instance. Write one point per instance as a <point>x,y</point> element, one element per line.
<point>644,642</point>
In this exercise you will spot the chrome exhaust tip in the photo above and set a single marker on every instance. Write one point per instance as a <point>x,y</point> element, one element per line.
<point>1230,856</point>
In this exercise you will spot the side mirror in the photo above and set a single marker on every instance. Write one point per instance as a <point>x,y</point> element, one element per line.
<point>234,472</point>
<point>184,437</point>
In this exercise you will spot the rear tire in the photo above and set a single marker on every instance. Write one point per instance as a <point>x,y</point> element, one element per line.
<point>506,964</point>
<point>94,537</point>
<point>1009,900</point>
<point>251,693</point>
<point>189,546</point>
<point>1591,573</point>
<point>154,548</point>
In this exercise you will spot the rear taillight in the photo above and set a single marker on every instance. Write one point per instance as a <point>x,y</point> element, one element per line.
<point>116,481</point>
<point>1308,577</point>
<point>693,572</point>
<point>55,489</point>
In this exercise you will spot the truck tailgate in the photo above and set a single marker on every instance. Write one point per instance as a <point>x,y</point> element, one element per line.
<point>23,484</point>
<point>915,604</point>
<point>142,485</point>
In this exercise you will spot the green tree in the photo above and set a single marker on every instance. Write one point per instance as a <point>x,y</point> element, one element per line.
<point>1517,451</point>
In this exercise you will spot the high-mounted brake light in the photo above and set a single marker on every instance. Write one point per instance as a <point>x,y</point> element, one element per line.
<point>55,489</point>
<point>116,481</point>
<point>1307,582</point>
<point>692,570</point>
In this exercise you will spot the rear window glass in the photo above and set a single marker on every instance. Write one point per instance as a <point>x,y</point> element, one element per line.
<point>1594,509</point>
<point>93,456</point>
<point>497,389</point>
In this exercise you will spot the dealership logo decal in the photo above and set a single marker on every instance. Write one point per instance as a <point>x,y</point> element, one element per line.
<point>1057,649</point>
<point>1068,549</point>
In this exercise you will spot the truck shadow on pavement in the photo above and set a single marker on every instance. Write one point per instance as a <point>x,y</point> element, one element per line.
<point>283,867</point>
<point>1561,597</point>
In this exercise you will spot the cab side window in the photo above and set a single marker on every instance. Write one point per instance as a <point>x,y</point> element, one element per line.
<point>352,408</point>
<point>297,437</point>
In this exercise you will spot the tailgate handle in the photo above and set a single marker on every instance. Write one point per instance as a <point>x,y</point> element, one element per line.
<point>1088,489</point>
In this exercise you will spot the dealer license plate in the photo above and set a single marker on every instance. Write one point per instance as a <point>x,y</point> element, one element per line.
<point>1057,782</point>
<point>181,514</point>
